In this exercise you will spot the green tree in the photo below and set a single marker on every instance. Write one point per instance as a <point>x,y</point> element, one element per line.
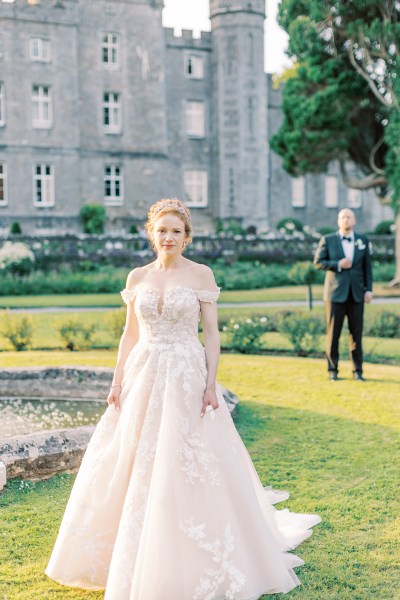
<point>341,99</point>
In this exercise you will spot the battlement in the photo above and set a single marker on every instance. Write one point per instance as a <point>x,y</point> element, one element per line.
<point>187,39</point>
<point>51,11</point>
<point>220,7</point>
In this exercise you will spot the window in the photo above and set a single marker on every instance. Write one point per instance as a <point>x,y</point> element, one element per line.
<point>250,48</point>
<point>43,185</point>
<point>354,199</point>
<point>298,192</point>
<point>331,191</point>
<point>2,103</point>
<point>42,117</point>
<point>196,188</point>
<point>194,66</point>
<point>110,50</point>
<point>3,184</point>
<point>113,185</point>
<point>195,122</point>
<point>112,112</point>
<point>40,49</point>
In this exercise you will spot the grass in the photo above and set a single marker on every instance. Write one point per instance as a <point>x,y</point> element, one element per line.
<point>335,447</point>
<point>278,294</point>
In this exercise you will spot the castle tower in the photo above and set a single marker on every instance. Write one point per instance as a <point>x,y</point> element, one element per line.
<point>239,128</point>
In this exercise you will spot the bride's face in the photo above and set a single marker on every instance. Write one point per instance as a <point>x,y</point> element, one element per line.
<point>169,235</point>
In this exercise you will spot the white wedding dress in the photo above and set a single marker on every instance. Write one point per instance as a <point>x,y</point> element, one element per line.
<point>167,505</point>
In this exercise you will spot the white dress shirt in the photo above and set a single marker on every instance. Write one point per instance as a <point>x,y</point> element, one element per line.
<point>348,247</point>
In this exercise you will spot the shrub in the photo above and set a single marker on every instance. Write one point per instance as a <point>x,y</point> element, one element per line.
<point>326,230</point>
<point>18,330</point>
<point>302,331</point>
<point>245,334</point>
<point>133,229</point>
<point>93,217</point>
<point>116,322</point>
<point>76,334</point>
<point>15,228</point>
<point>385,325</point>
<point>289,225</point>
<point>16,259</point>
<point>385,228</point>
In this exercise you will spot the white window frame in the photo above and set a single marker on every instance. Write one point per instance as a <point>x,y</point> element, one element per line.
<point>113,104</point>
<point>196,188</point>
<point>43,46</point>
<point>3,178</point>
<point>354,198</point>
<point>194,66</point>
<point>42,101</point>
<point>195,121</point>
<point>2,104</point>
<point>114,199</point>
<point>47,185</point>
<point>331,191</point>
<point>110,46</point>
<point>298,192</point>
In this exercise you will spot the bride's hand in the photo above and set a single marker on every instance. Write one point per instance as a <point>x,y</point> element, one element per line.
<point>113,396</point>
<point>209,399</point>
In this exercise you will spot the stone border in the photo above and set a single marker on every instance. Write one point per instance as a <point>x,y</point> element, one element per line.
<point>43,454</point>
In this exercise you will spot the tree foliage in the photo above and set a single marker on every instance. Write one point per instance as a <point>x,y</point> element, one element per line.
<point>342,101</point>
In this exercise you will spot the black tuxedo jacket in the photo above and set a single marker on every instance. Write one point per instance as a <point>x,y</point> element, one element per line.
<point>358,279</point>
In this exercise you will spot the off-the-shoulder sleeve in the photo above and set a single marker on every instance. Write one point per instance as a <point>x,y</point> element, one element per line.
<point>206,296</point>
<point>128,295</point>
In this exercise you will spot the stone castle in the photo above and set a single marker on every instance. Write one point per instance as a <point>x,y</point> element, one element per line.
<point>100,103</point>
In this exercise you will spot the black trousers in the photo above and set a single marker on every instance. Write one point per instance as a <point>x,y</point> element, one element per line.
<point>335,314</point>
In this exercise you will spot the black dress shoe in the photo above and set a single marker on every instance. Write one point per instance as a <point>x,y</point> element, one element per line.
<point>333,376</point>
<point>358,377</point>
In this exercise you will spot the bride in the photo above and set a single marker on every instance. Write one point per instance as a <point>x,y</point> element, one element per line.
<point>167,504</point>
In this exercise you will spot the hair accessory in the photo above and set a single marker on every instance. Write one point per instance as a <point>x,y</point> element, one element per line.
<point>172,206</point>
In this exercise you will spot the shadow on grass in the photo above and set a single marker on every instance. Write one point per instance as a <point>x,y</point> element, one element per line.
<point>341,469</point>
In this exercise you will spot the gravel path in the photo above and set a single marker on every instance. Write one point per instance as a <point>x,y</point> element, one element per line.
<point>301,303</point>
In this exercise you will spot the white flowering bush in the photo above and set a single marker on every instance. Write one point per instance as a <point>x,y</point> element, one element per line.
<point>16,258</point>
<point>302,331</point>
<point>245,334</point>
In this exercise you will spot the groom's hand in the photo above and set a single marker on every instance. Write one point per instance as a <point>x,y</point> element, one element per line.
<point>367,297</point>
<point>345,263</point>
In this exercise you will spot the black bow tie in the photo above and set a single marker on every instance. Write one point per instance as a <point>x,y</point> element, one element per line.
<point>348,239</point>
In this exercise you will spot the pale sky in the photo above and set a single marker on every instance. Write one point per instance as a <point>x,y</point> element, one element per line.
<point>194,14</point>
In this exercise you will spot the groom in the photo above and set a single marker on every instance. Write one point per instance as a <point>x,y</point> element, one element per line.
<point>346,258</point>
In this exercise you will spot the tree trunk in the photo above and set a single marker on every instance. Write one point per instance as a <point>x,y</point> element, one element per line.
<point>396,281</point>
<point>310,298</point>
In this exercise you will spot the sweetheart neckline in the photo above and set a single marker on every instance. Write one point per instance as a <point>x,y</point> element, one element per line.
<point>160,308</point>
<point>163,297</point>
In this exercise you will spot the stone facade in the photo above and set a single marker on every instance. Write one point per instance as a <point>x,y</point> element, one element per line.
<point>100,103</point>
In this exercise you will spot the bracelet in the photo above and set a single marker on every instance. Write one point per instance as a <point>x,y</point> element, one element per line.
<point>116,385</point>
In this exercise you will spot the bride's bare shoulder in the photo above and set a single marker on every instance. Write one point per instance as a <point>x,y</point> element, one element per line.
<point>135,277</point>
<point>205,279</point>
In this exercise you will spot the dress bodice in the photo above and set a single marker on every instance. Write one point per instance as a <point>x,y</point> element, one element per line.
<point>172,318</point>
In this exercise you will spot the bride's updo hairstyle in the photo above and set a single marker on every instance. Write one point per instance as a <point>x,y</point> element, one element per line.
<point>164,207</point>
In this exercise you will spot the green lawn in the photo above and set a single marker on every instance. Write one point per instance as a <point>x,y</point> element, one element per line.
<point>110,300</point>
<point>335,447</point>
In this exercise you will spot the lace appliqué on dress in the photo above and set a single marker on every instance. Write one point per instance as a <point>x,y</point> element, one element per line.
<point>206,296</point>
<point>128,295</point>
<point>224,572</point>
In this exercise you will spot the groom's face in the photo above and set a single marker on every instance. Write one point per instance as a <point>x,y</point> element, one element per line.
<point>346,220</point>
